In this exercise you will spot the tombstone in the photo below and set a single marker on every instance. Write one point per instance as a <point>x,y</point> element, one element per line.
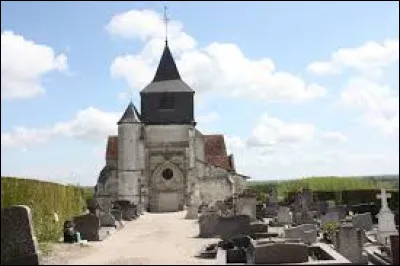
<point>247,206</point>
<point>330,217</point>
<point>362,221</point>
<point>207,224</point>
<point>306,232</point>
<point>229,227</point>
<point>192,212</point>
<point>93,206</point>
<point>283,216</point>
<point>303,217</point>
<point>394,245</point>
<point>277,253</point>
<point>386,224</point>
<point>331,203</point>
<point>322,207</point>
<point>340,209</point>
<point>88,225</point>
<point>117,214</point>
<point>107,220</point>
<point>309,237</point>
<point>19,245</point>
<point>366,207</point>
<point>260,211</point>
<point>258,227</point>
<point>349,243</point>
<point>129,212</point>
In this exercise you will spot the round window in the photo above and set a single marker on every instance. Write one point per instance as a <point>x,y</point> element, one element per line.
<point>167,174</point>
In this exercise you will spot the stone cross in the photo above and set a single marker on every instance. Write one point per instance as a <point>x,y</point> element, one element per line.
<point>384,196</point>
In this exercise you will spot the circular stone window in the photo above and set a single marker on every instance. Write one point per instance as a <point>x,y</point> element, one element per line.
<point>167,174</point>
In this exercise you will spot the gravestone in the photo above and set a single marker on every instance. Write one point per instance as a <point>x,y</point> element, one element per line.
<point>366,207</point>
<point>331,203</point>
<point>340,209</point>
<point>277,253</point>
<point>107,220</point>
<point>207,224</point>
<point>260,211</point>
<point>349,243</point>
<point>271,209</point>
<point>283,216</point>
<point>88,225</point>
<point>394,244</point>
<point>362,221</point>
<point>246,205</point>
<point>229,227</point>
<point>19,245</point>
<point>306,232</point>
<point>258,227</point>
<point>309,237</point>
<point>386,224</point>
<point>117,214</point>
<point>192,212</point>
<point>322,207</point>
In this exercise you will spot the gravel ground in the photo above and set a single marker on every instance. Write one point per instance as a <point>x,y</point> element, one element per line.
<point>154,238</point>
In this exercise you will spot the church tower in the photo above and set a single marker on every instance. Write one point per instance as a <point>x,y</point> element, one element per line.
<point>129,161</point>
<point>167,100</point>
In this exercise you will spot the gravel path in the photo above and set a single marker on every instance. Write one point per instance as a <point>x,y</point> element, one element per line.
<point>154,238</point>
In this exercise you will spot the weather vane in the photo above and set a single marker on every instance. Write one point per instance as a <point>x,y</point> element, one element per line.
<point>165,21</point>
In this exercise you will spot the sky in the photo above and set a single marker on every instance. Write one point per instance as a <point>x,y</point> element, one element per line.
<point>297,88</point>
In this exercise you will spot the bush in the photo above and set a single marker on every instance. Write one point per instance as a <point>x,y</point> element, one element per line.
<point>44,199</point>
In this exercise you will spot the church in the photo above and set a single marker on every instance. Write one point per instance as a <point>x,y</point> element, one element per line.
<point>159,160</point>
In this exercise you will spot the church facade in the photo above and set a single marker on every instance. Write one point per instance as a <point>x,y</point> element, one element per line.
<point>159,160</point>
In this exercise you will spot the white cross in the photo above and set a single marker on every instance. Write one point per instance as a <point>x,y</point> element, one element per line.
<point>384,196</point>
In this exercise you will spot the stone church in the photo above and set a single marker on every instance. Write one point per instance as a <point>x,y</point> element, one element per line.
<point>159,160</point>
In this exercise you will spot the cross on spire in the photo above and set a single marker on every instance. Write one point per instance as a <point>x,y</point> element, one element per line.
<point>166,19</point>
<point>383,196</point>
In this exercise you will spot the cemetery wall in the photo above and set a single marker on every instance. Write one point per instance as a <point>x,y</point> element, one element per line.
<point>44,199</point>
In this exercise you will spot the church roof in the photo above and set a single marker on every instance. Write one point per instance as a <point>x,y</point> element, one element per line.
<point>215,152</point>
<point>112,148</point>
<point>214,145</point>
<point>167,77</point>
<point>130,115</point>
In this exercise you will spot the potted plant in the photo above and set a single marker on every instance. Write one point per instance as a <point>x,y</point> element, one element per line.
<point>329,229</point>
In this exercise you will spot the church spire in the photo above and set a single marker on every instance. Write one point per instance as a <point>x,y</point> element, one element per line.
<point>130,115</point>
<point>167,69</point>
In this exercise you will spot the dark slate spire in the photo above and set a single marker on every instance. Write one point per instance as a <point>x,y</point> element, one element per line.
<point>167,69</point>
<point>130,115</point>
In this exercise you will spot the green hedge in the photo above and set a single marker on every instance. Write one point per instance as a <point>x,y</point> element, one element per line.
<point>44,198</point>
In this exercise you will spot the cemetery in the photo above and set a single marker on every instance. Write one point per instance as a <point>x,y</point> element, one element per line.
<point>237,230</point>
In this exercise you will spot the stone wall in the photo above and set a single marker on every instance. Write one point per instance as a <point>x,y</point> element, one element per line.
<point>215,188</point>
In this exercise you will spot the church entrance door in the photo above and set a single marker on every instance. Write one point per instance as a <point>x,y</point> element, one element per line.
<point>168,202</point>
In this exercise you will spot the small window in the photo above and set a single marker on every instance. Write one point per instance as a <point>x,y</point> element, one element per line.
<point>167,102</point>
<point>167,174</point>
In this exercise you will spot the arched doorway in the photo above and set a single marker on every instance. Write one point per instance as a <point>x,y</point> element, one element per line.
<point>168,188</point>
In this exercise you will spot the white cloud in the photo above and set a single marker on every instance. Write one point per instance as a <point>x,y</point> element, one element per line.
<point>270,132</point>
<point>371,57</point>
<point>334,136</point>
<point>23,64</point>
<point>88,124</point>
<point>218,67</point>
<point>378,104</point>
<point>208,118</point>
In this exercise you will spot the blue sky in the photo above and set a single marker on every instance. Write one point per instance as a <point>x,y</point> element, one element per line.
<point>298,88</point>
